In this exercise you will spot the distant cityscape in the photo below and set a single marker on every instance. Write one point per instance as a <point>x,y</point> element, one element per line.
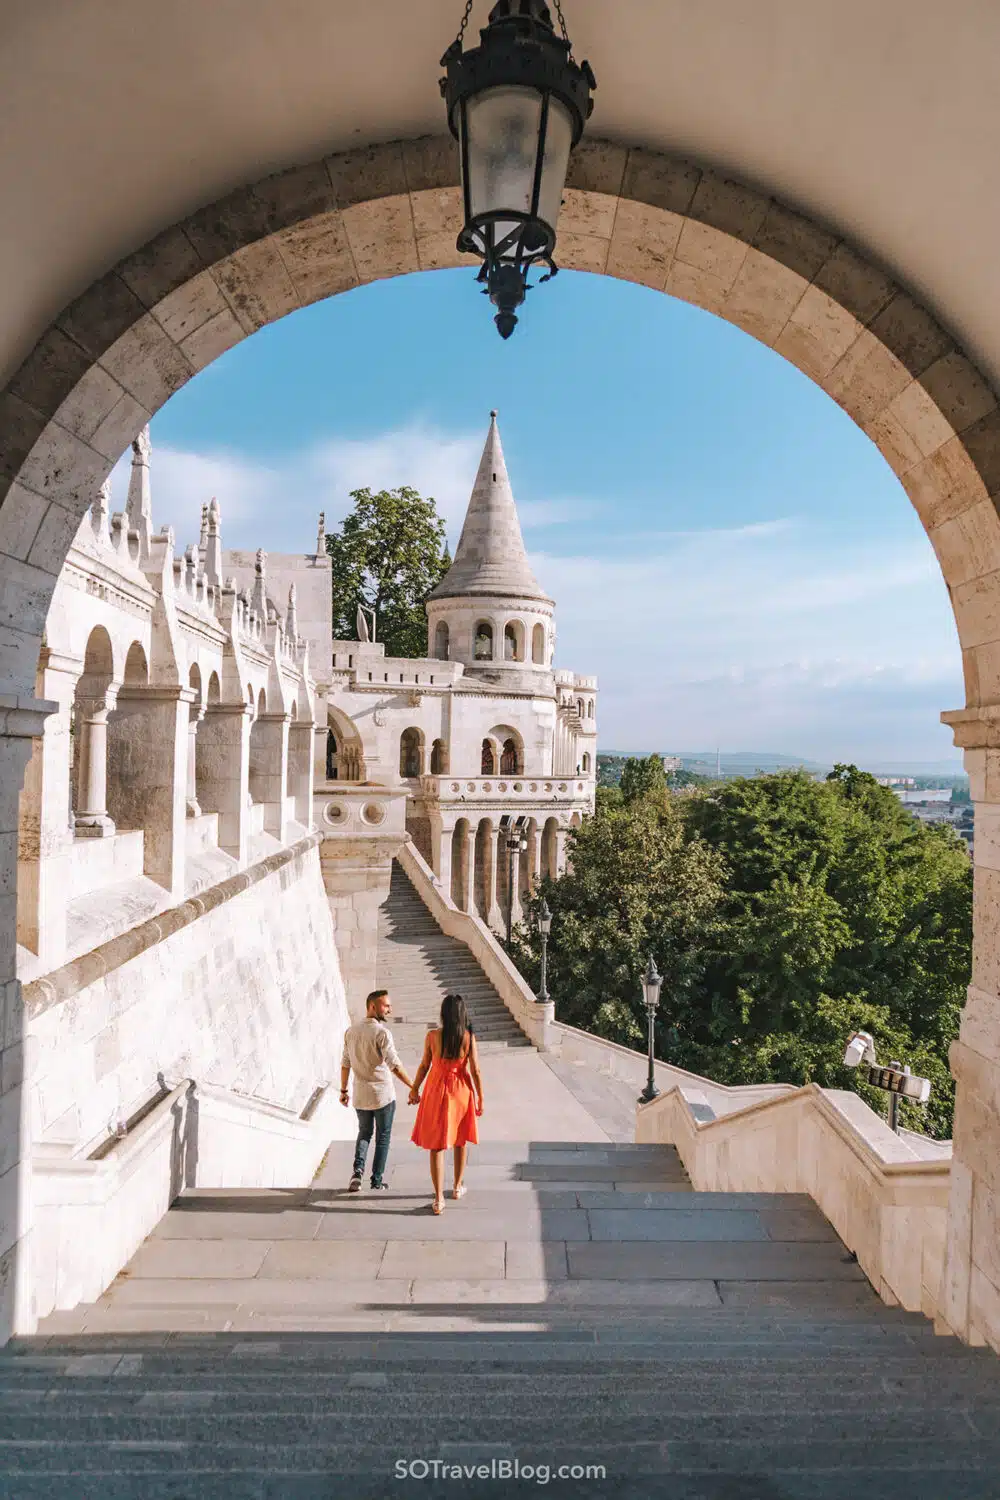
<point>933,792</point>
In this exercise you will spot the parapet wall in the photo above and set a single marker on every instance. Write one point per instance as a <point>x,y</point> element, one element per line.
<point>239,987</point>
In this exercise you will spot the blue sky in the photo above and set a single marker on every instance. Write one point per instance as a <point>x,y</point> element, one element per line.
<point>728,552</point>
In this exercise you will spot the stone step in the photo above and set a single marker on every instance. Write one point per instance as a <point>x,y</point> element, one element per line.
<point>419,965</point>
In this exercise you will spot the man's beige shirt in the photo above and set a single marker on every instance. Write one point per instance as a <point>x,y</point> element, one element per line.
<point>370,1053</point>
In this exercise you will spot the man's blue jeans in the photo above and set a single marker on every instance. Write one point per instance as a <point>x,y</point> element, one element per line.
<point>379,1120</point>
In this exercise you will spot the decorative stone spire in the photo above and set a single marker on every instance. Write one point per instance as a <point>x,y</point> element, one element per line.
<point>203,534</point>
<point>321,535</point>
<point>490,556</point>
<point>292,616</point>
<point>101,509</point>
<point>258,600</point>
<point>139,507</point>
<point>213,544</point>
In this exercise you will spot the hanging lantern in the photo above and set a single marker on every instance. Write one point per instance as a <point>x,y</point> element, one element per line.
<point>517,105</point>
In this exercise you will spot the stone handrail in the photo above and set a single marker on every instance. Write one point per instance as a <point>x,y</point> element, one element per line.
<point>574,1045</point>
<point>535,1020</point>
<point>93,1211</point>
<point>887,1202</point>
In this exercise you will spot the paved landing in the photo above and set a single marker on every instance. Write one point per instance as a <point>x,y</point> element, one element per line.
<point>581,1306</point>
<point>545,1229</point>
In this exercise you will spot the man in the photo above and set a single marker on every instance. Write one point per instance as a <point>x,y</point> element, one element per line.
<point>370,1051</point>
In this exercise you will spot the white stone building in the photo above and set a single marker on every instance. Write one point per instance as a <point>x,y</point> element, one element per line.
<point>484,732</point>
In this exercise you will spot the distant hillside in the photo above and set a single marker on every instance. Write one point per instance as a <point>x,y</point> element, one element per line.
<point>746,762</point>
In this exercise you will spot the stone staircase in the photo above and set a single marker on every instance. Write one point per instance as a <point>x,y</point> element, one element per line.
<point>418,964</point>
<point>580,1306</point>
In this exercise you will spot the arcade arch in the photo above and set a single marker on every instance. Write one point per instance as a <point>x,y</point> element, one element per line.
<point>147,326</point>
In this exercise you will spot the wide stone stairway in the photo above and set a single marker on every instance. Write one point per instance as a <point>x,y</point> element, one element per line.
<point>418,964</point>
<point>580,1306</point>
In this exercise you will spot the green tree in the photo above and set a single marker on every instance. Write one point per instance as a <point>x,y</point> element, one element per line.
<point>643,778</point>
<point>636,885</point>
<point>784,913</point>
<point>388,555</point>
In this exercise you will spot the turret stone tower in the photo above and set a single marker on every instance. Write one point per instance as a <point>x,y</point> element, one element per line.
<point>489,612</point>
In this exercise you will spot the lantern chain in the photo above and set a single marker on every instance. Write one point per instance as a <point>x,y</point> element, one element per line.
<point>562,23</point>
<point>465,21</point>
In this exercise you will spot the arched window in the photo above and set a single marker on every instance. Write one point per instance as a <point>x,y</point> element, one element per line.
<point>439,759</point>
<point>513,639</point>
<point>214,690</point>
<point>579,707</point>
<point>590,708</point>
<point>509,759</point>
<point>136,671</point>
<point>586,763</point>
<point>411,754</point>
<point>487,764</point>
<point>331,756</point>
<point>538,645</point>
<point>483,648</point>
<point>442,642</point>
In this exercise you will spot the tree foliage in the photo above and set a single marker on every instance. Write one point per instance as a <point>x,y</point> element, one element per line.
<point>783,913</point>
<point>387,555</point>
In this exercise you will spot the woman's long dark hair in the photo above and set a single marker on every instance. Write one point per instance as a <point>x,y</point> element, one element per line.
<point>454,1025</point>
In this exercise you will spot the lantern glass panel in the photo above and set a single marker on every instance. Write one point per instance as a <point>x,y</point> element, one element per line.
<point>501,149</point>
<point>558,144</point>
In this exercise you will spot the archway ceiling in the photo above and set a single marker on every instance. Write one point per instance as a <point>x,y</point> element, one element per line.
<point>880,120</point>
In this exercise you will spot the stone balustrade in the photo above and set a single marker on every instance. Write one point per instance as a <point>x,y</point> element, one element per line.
<point>452,789</point>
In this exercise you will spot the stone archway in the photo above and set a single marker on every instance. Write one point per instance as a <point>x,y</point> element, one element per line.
<point>113,357</point>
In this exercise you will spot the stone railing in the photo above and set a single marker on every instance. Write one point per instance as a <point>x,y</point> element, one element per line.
<point>535,1020</point>
<point>886,1195</point>
<point>358,809</point>
<point>622,1062</point>
<point>93,1209</point>
<point>568,789</point>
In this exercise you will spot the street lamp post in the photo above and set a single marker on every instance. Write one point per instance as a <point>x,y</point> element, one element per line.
<point>517,105</point>
<point>544,928</point>
<point>651,983</point>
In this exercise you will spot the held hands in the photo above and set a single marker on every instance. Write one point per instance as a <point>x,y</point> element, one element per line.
<point>345,1098</point>
<point>414,1097</point>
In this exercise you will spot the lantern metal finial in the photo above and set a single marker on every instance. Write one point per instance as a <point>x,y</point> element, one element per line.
<point>517,105</point>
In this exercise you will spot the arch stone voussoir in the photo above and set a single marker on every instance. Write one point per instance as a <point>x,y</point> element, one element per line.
<point>170,308</point>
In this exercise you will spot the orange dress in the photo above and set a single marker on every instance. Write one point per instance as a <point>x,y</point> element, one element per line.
<point>446,1115</point>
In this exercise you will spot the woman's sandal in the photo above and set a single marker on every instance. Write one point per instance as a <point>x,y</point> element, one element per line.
<point>437,1207</point>
<point>458,1192</point>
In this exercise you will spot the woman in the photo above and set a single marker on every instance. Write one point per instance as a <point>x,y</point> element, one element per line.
<point>453,1098</point>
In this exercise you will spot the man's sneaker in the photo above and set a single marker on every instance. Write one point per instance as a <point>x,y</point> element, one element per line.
<point>354,1186</point>
<point>380,1187</point>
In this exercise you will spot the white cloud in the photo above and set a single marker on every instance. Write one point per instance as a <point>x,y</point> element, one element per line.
<point>770,636</point>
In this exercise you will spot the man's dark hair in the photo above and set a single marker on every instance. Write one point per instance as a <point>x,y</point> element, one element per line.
<point>375,995</point>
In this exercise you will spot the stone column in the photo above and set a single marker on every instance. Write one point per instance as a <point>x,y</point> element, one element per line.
<point>197,713</point>
<point>268,772</point>
<point>467,869</point>
<point>441,850</point>
<point>223,763</point>
<point>534,855</point>
<point>356,875</point>
<point>45,841</point>
<point>969,1296</point>
<point>496,872</point>
<point>19,727</point>
<point>148,741</point>
<point>513,891</point>
<point>301,770</point>
<point>93,705</point>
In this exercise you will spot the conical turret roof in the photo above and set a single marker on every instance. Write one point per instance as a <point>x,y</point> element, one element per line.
<point>490,556</point>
